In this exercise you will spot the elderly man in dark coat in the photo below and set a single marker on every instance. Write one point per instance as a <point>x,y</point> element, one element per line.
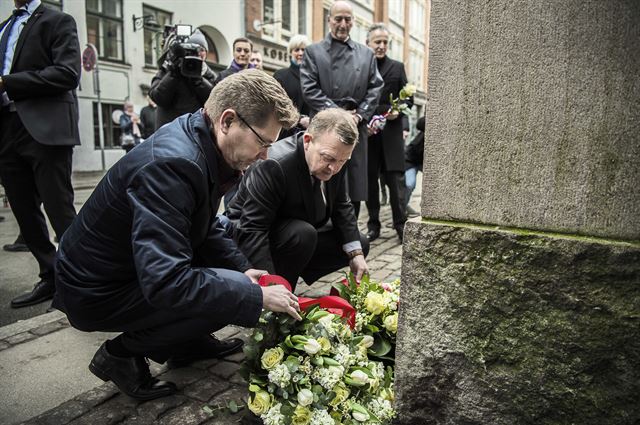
<point>146,256</point>
<point>338,72</point>
<point>386,148</point>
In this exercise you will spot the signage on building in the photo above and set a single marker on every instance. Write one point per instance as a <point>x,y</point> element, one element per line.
<point>89,58</point>
<point>274,55</point>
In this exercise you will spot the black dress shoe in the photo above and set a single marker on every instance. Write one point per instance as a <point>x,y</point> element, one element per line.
<point>372,235</point>
<point>130,374</point>
<point>400,232</point>
<point>1,219</point>
<point>42,291</point>
<point>411,212</point>
<point>208,348</point>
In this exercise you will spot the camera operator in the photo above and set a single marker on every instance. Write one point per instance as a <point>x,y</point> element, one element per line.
<point>184,81</point>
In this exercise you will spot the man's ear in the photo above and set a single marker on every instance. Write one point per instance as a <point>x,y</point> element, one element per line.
<point>226,119</point>
<point>306,139</point>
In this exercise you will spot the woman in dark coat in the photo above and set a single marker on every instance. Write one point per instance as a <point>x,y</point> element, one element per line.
<point>289,79</point>
<point>413,158</point>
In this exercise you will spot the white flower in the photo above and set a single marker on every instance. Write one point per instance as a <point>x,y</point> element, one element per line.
<point>312,346</point>
<point>359,376</point>
<point>360,416</point>
<point>273,416</point>
<point>321,417</point>
<point>280,375</point>
<point>367,341</point>
<point>305,397</point>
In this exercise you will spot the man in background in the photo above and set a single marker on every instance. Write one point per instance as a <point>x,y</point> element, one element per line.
<point>242,48</point>
<point>39,72</point>
<point>256,60</point>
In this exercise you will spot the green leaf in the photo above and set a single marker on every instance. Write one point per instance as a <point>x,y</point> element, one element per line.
<point>233,406</point>
<point>380,346</point>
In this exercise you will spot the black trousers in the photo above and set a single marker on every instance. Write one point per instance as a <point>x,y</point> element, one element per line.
<point>394,180</point>
<point>299,250</point>
<point>32,172</point>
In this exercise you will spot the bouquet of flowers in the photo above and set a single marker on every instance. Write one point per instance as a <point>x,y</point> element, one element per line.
<point>315,372</point>
<point>377,122</point>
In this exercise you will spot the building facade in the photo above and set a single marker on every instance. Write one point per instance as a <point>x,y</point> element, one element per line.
<point>128,35</point>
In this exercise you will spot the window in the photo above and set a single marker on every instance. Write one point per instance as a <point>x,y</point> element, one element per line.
<point>396,10</point>
<point>53,4</point>
<point>396,47</point>
<point>417,19</point>
<point>104,28</point>
<point>283,18</point>
<point>152,33</point>
<point>111,130</point>
<point>416,67</point>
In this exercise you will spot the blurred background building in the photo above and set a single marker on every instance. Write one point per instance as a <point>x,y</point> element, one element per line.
<point>128,36</point>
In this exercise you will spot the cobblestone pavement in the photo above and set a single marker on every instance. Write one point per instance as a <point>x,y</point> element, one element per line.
<point>205,383</point>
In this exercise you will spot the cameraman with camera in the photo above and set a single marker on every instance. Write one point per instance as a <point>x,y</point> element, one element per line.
<point>184,81</point>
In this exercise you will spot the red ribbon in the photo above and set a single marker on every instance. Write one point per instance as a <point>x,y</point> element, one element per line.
<point>333,304</point>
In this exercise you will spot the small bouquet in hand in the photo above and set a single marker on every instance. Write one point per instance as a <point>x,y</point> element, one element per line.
<point>378,122</point>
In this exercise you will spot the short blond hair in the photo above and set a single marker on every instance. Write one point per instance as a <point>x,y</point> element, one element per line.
<point>335,120</point>
<point>256,95</point>
<point>297,41</point>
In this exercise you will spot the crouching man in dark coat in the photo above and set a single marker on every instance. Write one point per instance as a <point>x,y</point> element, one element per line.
<point>147,256</point>
<point>292,215</point>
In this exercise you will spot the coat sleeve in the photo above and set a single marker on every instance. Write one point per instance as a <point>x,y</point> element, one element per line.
<point>125,123</point>
<point>164,87</point>
<point>375,83</point>
<point>264,185</point>
<point>221,247</point>
<point>162,197</point>
<point>62,75</point>
<point>310,83</point>
<point>202,86</point>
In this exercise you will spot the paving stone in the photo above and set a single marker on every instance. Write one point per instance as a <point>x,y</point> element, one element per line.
<point>183,376</point>
<point>4,345</point>
<point>20,338</point>
<point>237,393</point>
<point>204,364</point>
<point>236,358</point>
<point>104,416</point>
<point>224,369</point>
<point>237,379</point>
<point>190,413</point>
<point>227,332</point>
<point>48,328</point>
<point>152,410</point>
<point>99,394</point>
<point>61,415</point>
<point>139,420</point>
<point>206,388</point>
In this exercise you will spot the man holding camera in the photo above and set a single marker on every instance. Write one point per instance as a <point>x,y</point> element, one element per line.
<point>183,83</point>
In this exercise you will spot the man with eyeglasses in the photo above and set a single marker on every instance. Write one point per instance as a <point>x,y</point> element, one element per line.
<point>242,49</point>
<point>148,257</point>
<point>339,72</point>
<point>291,215</point>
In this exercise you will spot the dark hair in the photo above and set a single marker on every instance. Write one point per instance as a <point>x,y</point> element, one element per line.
<point>241,40</point>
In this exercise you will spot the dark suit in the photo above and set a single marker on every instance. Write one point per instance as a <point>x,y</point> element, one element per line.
<point>275,219</point>
<point>138,258</point>
<point>36,141</point>
<point>386,150</point>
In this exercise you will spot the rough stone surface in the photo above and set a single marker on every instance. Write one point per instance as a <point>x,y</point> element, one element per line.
<point>533,112</point>
<point>505,328</point>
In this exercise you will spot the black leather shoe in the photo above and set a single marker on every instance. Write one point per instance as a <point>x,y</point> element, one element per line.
<point>130,374</point>
<point>372,235</point>
<point>42,291</point>
<point>411,212</point>
<point>210,348</point>
<point>400,232</point>
<point>1,219</point>
<point>17,246</point>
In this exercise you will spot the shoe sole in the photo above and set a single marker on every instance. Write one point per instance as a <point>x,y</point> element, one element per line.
<point>27,304</point>
<point>103,376</point>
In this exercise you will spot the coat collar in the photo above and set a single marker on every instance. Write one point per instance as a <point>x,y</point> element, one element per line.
<point>326,43</point>
<point>25,31</point>
<point>205,139</point>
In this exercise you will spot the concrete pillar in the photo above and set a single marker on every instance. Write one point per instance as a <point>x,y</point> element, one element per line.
<point>521,282</point>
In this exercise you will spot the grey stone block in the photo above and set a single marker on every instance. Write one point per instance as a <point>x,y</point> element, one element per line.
<point>205,389</point>
<point>152,410</point>
<point>49,328</point>
<point>61,415</point>
<point>20,338</point>
<point>517,328</point>
<point>191,413</point>
<point>532,118</point>
<point>224,369</point>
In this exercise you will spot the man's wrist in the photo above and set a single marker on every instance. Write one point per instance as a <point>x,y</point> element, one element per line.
<point>353,254</point>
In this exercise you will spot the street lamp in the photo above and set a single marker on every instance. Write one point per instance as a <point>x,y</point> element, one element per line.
<point>140,21</point>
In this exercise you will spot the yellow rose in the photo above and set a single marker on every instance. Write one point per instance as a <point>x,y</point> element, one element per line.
<point>342,393</point>
<point>301,416</point>
<point>260,403</point>
<point>391,322</point>
<point>375,303</point>
<point>325,344</point>
<point>272,358</point>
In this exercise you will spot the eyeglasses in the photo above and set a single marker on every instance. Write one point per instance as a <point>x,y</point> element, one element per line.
<point>263,143</point>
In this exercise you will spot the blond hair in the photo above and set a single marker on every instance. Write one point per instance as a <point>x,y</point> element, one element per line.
<point>335,120</point>
<point>256,95</point>
<point>298,41</point>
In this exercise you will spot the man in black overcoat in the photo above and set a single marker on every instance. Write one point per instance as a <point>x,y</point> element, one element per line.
<point>292,215</point>
<point>386,148</point>
<point>147,256</point>
<point>40,69</point>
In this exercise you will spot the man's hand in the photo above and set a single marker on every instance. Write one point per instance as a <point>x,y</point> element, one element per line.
<point>405,134</point>
<point>279,299</point>
<point>358,267</point>
<point>255,274</point>
<point>393,115</point>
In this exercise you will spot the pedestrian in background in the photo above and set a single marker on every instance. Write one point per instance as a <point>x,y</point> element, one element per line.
<point>242,48</point>
<point>414,158</point>
<point>289,78</point>
<point>256,60</point>
<point>148,118</point>
<point>40,70</point>
<point>130,127</point>
<point>177,94</point>
<point>329,80</point>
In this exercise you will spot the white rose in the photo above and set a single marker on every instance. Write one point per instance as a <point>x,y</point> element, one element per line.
<point>360,416</point>
<point>360,377</point>
<point>312,346</point>
<point>305,397</point>
<point>367,341</point>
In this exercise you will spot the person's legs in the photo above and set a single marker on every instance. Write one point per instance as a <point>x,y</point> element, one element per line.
<point>328,256</point>
<point>395,181</point>
<point>373,200</point>
<point>410,176</point>
<point>292,245</point>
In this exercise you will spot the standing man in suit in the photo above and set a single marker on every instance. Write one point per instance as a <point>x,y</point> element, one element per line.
<point>40,61</point>
<point>386,148</point>
<point>338,72</point>
<point>292,215</point>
